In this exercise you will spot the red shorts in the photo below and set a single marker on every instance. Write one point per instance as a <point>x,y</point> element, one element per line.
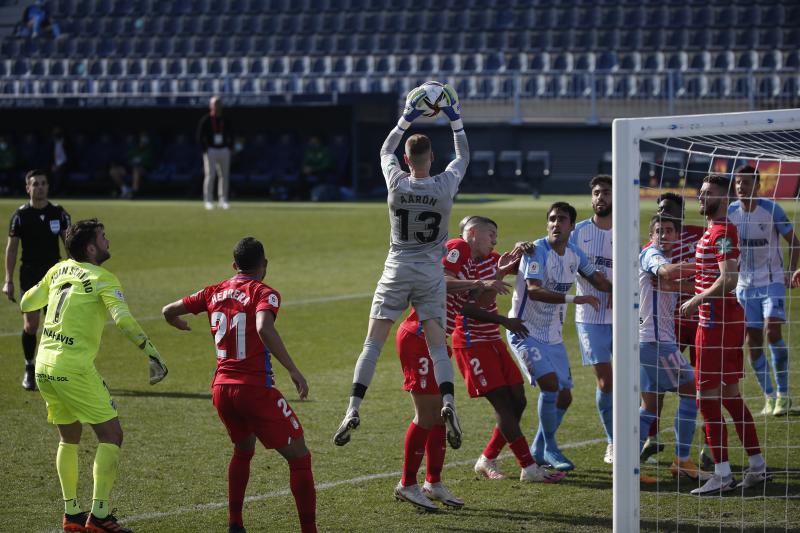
<point>687,333</point>
<point>487,366</point>
<point>416,363</point>
<point>262,411</point>
<point>720,359</point>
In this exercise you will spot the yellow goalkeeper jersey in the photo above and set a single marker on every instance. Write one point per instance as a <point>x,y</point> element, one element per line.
<point>78,297</point>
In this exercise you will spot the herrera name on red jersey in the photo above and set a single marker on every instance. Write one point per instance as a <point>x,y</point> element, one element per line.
<point>232,305</point>
<point>719,243</point>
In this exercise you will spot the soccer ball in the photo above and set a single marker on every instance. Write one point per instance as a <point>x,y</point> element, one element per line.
<point>434,97</point>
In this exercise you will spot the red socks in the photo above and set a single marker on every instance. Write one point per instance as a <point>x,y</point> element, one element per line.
<point>521,451</point>
<point>238,476</point>
<point>435,449</point>
<point>716,434</point>
<point>495,445</point>
<point>301,481</point>
<point>414,449</point>
<point>743,420</point>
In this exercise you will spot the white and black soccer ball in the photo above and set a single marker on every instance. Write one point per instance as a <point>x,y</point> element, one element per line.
<point>435,97</point>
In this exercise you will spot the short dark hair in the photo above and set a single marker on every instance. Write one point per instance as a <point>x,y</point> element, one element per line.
<point>672,197</point>
<point>720,180</point>
<point>564,206</point>
<point>658,218</point>
<point>476,219</point>
<point>35,172</point>
<point>80,235</point>
<point>748,169</point>
<point>248,253</point>
<point>600,179</point>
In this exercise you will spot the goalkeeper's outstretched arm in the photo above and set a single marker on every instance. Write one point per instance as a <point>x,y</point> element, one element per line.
<point>453,112</point>
<point>122,317</point>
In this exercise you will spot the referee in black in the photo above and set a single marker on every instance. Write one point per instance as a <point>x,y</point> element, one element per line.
<point>38,224</point>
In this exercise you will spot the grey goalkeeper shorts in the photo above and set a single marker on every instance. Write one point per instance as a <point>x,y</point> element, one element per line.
<point>421,285</point>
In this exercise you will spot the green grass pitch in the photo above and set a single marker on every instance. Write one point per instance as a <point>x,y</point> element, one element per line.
<point>325,260</point>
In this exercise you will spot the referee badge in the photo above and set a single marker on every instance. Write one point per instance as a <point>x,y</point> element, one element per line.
<point>55,226</point>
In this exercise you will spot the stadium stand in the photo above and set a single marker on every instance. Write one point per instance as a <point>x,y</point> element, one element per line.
<point>684,49</point>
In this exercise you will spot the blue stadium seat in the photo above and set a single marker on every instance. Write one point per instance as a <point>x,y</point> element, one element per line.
<point>631,40</point>
<point>631,62</point>
<point>278,44</point>
<point>700,17</point>
<point>255,66</point>
<point>174,67</point>
<point>562,62</point>
<point>215,66</point>
<point>584,41</point>
<point>747,60</point>
<point>277,65</point>
<point>632,17</point>
<point>699,39</point>
<point>791,61</point>
<point>652,39</point>
<point>790,87</point>
<point>449,63</point>
<point>773,14</point>
<point>607,61</point>
<point>584,62</point>
<point>115,68</point>
<point>768,87</point>
<point>720,40</point>
<point>653,61</point>
<point>380,64</point>
<point>700,61</point>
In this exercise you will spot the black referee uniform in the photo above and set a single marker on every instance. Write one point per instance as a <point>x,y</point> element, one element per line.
<point>39,231</point>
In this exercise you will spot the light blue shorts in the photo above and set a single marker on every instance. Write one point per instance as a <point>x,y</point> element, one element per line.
<point>760,303</point>
<point>662,367</point>
<point>595,341</point>
<point>538,359</point>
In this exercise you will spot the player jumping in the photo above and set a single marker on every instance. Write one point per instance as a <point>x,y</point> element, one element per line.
<point>419,211</point>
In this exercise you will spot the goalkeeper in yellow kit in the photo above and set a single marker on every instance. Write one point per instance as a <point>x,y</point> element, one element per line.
<point>78,293</point>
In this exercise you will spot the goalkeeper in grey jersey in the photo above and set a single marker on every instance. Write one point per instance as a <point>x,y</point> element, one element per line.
<point>419,214</point>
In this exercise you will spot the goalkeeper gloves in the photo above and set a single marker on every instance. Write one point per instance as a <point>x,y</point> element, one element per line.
<point>452,108</point>
<point>158,370</point>
<point>413,108</point>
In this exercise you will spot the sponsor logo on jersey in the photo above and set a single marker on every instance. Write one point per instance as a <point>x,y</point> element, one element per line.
<point>533,268</point>
<point>751,243</point>
<point>58,337</point>
<point>603,261</point>
<point>453,255</point>
<point>295,423</point>
<point>55,227</point>
<point>272,299</point>
<point>482,380</point>
<point>724,245</point>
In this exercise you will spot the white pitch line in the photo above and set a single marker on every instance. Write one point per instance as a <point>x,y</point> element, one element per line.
<point>319,487</point>
<point>307,301</point>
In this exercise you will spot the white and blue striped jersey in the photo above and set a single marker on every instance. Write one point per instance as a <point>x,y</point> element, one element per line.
<point>656,308</point>
<point>595,243</point>
<point>557,273</point>
<point>761,260</point>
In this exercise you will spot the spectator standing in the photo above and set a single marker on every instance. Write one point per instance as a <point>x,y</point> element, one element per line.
<point>36,18</point>
<point>215,135</point>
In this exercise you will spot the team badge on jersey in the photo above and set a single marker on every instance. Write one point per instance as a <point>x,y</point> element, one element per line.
<point>55,226</point>
<point>452,255</point>
<point>724,245</point>
<point>533,268</point>
<point>272,299</point>
<point>119,295</point>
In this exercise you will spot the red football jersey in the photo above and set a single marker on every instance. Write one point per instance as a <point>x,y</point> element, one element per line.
<point>458,260</point>
<point>470,331</point>
<point>232,305</point>
<point>720,242</point>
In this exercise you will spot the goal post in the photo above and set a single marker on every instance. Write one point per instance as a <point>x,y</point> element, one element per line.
<point>627,134</point>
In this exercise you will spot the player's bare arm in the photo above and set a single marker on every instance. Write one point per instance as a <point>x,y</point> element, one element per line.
<point>514,325</point>
<point>599,281</point>
<point>265,325</point>
<point>172,314</point>
<point>12,246</point>
<point>794,256</point>
<point>541,294</point>
<point>725,283</point>
<point>676,271</point>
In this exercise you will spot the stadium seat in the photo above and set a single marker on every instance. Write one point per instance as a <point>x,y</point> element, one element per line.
<point>482,163</point>
<point>631,61</point>
<point>509,164</point>
<point>791,62</point>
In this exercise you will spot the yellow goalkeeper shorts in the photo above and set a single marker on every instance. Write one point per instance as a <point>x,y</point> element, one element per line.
<point>72,397</point>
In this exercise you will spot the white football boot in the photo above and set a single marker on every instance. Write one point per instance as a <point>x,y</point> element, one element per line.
<point>715,485</point>
<point>413,495</point>
<point>488,468</point>
<point>541,474</point>
<point>438,492</point>
<point>348,425</point>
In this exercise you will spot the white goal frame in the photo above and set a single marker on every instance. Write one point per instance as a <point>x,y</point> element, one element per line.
<point>626,161</point>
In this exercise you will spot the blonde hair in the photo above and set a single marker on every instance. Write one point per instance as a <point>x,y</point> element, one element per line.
<point>418,149</point>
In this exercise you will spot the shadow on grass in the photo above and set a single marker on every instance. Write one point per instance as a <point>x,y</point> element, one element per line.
<point>161,394</point>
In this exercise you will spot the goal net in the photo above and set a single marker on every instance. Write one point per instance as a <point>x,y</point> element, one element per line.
<point>654,156</point>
